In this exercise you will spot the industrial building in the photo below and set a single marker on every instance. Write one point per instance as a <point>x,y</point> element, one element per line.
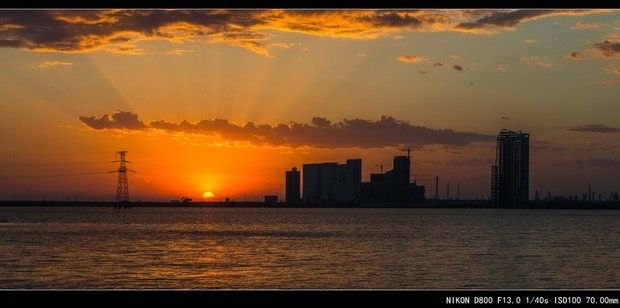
<point>510,174</point>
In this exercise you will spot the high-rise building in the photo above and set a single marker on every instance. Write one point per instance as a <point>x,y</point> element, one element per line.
<point>332,182</point>
<point>510,174</point>
<point>348,185</point>
<point>293,186</point>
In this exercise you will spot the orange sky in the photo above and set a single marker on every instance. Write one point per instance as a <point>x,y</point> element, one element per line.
<point>226,101</point>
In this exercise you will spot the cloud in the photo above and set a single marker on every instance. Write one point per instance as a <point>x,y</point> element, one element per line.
<point>573,55</point>
<point>321,122</point>
<point>457,67</point>
<point>530,41</point>
<point>361,54</point>
<point>455,56</point>
<point>128,49</point>
<point>492,21</point>
<point>179,52</point>
<point>89,30</point>
<point>410,59</point>
<point>615,70</point>
<point>320,133</point>
<point>600,162</point>
<point>437,64</point>
<point>593,128</point>
<point>469,162</point>
<point>505,118</point>
<point>586,25</point>
<point>501,68</point>
<point>546,146</point>
<point>608,49</point>
<point>46,64</point>
<point>546,64</point>
<point>606,82</point>
<point>119,120</point>
<point>282,45</point>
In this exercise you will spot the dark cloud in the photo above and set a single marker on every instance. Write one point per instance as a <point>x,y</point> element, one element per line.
<point>119,120</point>
<point>437,64</point>
<point>573,55</point>
<point>392,19</point>
<point>608,49</point>
<point>87,30</point>
<point>321,122</point>
<point>79,31</point>
<point>593,129</point>
<point>457,67</point>
<point>505,118</point>
<point>321,133</point>
<point>503,19</point>
<point>424,72</point>
<point>492,20</point>
<point>11,43</point>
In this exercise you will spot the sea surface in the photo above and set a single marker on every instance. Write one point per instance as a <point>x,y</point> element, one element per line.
<point>294,248</point>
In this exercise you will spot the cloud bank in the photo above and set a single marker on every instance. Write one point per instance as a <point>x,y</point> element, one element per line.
<point>319,133</point>
<point>118,120</point>
<point>608,49</point>
<point>593,128</point>
<point>410,59</point>
<point>46,64</point>
<point>120,30</point>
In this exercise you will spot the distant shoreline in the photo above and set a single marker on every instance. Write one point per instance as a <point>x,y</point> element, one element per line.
<point>449,204</point>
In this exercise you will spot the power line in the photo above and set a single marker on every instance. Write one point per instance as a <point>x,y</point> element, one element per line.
<point>26,165</point>
<point>50,175</point>
<point>50,154</point>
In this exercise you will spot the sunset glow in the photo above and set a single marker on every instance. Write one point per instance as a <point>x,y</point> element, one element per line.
<point>214,104</point>
<point>208,195</point>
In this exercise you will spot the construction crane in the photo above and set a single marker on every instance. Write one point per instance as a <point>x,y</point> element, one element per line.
<point>416,175</point>
<point>408,149</point>
<point>381,166</point>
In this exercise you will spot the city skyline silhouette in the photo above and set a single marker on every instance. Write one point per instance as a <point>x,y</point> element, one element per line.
<point>222,102</point>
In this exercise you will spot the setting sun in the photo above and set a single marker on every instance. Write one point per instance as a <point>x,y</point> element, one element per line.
<point>208,194</point>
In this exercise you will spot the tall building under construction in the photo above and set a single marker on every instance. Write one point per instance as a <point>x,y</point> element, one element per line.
<point>510,175</point>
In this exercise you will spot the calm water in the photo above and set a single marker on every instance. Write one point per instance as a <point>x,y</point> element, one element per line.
<point>252,248</point>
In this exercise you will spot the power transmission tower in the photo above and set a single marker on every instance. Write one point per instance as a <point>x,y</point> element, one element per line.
<point>122,188</point>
